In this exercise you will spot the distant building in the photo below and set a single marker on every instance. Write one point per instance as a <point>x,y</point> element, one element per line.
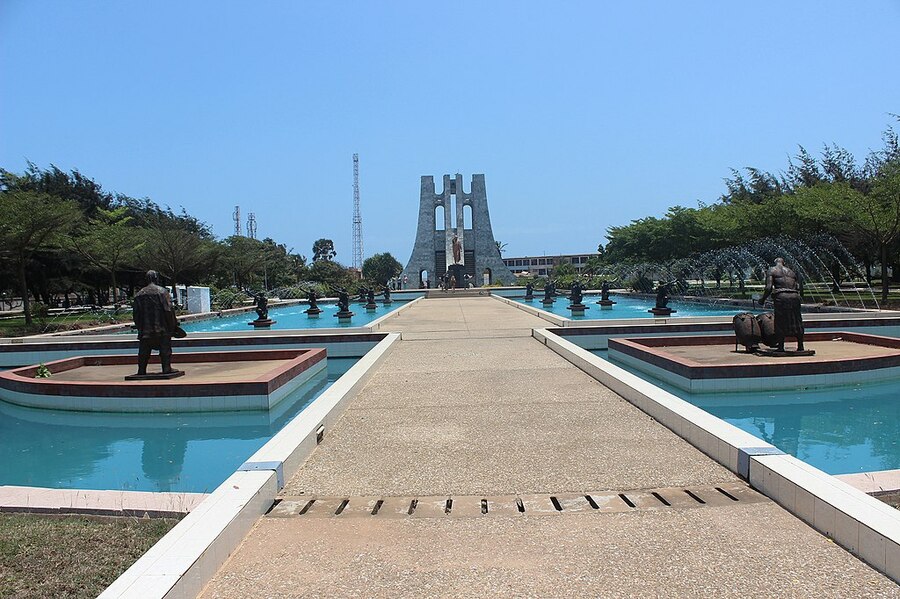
<point>540,266</point>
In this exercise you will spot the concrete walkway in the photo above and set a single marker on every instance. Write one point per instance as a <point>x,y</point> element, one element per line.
<point>468,405</point>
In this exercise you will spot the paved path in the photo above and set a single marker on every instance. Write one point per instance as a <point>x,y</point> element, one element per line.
<point>468,405</point>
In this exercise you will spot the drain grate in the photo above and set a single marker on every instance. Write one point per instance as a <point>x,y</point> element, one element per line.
<point>463,506</point>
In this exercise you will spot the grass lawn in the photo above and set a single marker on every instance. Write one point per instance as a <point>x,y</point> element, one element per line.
<point>71,556</point>
<point>15,327</point>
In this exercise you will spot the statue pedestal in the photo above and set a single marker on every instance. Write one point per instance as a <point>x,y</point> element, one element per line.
<point>458,271</point>
<point>606,304</point>
<point>264,323</point>
<point>577,309</point>
<point>313,312</point>
<point>661,311</point>
<point>529,299</point>
<point>371,307</point>
<point>387,302</point>
<point>547,302</point>
<point>344,316</point>
<point>155,376</point>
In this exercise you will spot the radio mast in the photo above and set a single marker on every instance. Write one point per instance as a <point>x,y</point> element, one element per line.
<point>357,218</point>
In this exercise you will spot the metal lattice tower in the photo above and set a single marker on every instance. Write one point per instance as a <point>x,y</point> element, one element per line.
<point>251,225</point>
<point>237,221</point>
<point>357,218</point>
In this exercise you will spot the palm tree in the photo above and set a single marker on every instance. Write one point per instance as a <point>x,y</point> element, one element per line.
<point>501,247</point>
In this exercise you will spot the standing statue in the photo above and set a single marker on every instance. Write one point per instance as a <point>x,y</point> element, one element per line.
<point>457,249</point>
<point>154,318</point>
<point>387,296</point>
<point>604,291</point>
<point>529,291</point>
<point>784,287</point>
<point>262,306</point>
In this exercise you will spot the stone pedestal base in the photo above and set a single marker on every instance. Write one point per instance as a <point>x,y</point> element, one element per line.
<point>155,376</point>
<point>546,303</point>
<point>371,308</point>
<point>387,302</point>
<point>661,311</point>
<point>344,317</point>
<point>262,324</point>
<point>577,309</point>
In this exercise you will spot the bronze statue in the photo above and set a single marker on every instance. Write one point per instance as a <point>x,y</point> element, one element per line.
<point>604,291</point>
<point>262,306</point>
<point>784,287</point>
<point>343,300</point>
<point>662,295</point>
<point>529,291</point>
<point>387,295</point>
<point>154,319</point>
<point>576,293</point>
<point>457,249</point>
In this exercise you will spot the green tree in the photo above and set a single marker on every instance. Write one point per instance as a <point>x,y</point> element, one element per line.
<point>501,247</point>
<point>381,267</point>
<point>176,251</point>
<point>332,275</point>
<point>29,222</point>
<point>108,241</point>
<point>323,249</point>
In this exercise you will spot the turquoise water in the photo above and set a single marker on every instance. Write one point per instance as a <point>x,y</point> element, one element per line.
<point>293,317</point>
<point>840,430</point>
<point>187,452</point>
<point>628,307</point>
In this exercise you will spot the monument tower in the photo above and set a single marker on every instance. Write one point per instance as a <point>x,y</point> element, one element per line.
<point>441,218</point>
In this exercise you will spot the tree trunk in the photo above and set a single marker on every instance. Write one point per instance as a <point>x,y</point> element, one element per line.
<point>885,279</point>
<point>115,288</point>
<point>23,285</point>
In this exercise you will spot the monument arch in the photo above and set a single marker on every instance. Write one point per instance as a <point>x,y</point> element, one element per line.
<point>459,247</point>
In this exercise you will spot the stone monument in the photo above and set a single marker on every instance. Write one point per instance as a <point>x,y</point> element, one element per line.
<point>454,249</point>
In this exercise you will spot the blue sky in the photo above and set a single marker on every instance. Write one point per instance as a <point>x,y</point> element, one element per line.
<point>581,115</point>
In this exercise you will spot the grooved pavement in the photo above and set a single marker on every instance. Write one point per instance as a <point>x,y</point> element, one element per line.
<point>467,404</point>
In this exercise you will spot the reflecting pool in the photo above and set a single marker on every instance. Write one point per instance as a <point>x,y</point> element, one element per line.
<point>184,452</point>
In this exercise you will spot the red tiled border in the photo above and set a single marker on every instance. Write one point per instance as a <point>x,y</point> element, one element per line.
<point>649,349</point>
<point>712,327</point>
<point>22,380</point>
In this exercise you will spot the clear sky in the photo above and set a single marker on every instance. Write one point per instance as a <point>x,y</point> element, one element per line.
<point>581,115</point>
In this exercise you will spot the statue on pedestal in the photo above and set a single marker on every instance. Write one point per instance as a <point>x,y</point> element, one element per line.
<point>154,319</point>
<point>783,285</point>
<point>457,249</point>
